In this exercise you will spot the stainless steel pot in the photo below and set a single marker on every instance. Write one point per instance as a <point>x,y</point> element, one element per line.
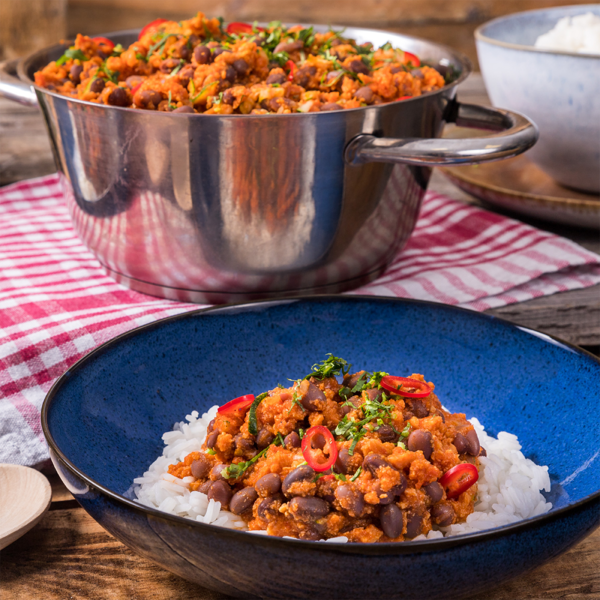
<point>208,208</point>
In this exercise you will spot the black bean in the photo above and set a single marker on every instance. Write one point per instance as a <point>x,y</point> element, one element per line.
<point>229,74</point>
<point>228,97</point>
<point>309,400</point>
<point>184,109</point>
<point>435,491</point>
<point>460,443</point>
<point>384,497</point>
<point>413,526</point>
<point>268,484</point>
<point>418,408</point>
<point>202,55</point>
<point>374,462</point>
<point>442,514</point>
<point>215,472</point>
<point>292,440</point>
<point>351,380</point>
<point>211,440</point>
<point>118,97</point>
<point>243,500</point>
<point>421,440</point>
<point>308,508</point>
<point>201,467</point>
<point>350,499</point>
<point>342,460</point>
<point>220,492</point>
<point>390,517</point>
<point>276,78</point>
<point>269,507</point>
<point>365,94</point>
<point>473,446</point>
<point>330,106</point>
<point>302,473</point>
<point>97,85</point>
<point>264,438</point>
<point>205,486</point>
<point>241,66</point>
<point>398,489</point>
<point>148,97</point>
<point>243,445</point>
<point>386,433</point>
<point>75,73</point>
<point>358,66</point>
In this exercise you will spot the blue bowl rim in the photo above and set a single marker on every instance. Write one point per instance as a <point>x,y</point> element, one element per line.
<point>481,37</point>
<point>370,549</point>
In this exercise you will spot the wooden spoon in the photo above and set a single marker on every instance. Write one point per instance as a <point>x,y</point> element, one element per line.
<point>25,496</point>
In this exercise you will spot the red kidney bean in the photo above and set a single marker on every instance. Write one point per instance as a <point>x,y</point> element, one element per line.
<point>418,408</point>
<point>183,52</point>
<point>391,521</point>
<point>243,500</point>
<point>202,55</point>
<point>413,526</point>
<point>386,433</point>
<point>292,440</point>
<point>148,98</point>
<point>228,97</point>
<point>442,514</point>
<point>133,80</point>
<point>482,451</point>
<point>268,484</point>
<point>200,467</point>
<point>374,462</point>
<point>118,97</point>
<point>421,440</point>
<point>241,66</point>
<point>396,69</point>
<point>358,66</point>
<point>75,73</point>
<point>473,446</point>
<point>264,438</point>
<point>374,394</point>
<point>205,486</point>
<point>276,78</point>
<point>271,104</point>
<point>341,463</point>
<point>220,492</point>
<point>435,491</point>
<point>211,440</point>
<point>215,472</point>
<point>230,74</point>
<point>211,425</point>
<point>365,94</point>
<point>441,414</point>
<point>97,85</point>
<point>184,109</point>
<point>303,75</point>
<point>167,65</point>
<point>218,51</point>
<point>243,445</point>
<point>329,106</point>
<point>308,508</point>
<point>301,473</point>
<point>460,443</point>
<point>335,76</point>
<point>351,499</point>
<point>417,73</point>
<point>269,507</point>
<point>398,489</point>
<point>310,398</point>
<point>350,381</point>
<point>384,497</point>
<point>288,46</point>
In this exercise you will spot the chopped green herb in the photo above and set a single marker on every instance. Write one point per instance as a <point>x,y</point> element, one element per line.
<point>252,425</point>
<point>236,470</point>
<point>330,367</point>
<point>160,44</point>
<point>402,445</point>
<point>211,451</point>
<point>355,476</point>
<point>296,401</point>
<point>301,433</point>
<point>141,56</point>
<point>406,431</point>
<point>117,50</point>
<point>340,476</point>
<point>72,54</point>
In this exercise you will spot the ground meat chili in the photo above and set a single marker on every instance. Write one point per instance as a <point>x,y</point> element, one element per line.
<point>199,66</point>
<point>322,458</point>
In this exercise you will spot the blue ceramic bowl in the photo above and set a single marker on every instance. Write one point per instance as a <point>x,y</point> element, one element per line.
<point>559,91</point>
<point>103,420</point>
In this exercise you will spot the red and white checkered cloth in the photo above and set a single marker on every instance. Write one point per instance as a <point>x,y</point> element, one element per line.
<point>56,302</point>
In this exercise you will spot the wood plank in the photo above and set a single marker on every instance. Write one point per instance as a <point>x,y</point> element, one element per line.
<point>68,555</point>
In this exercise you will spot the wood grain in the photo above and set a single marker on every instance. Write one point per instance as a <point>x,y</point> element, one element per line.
<point>68,555</point>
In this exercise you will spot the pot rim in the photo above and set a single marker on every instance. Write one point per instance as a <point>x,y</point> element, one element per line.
<point>384,548</point>
<point>25,63</point>
<point>481,37</point>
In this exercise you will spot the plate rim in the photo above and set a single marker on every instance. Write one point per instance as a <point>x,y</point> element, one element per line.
<point>383,548</point>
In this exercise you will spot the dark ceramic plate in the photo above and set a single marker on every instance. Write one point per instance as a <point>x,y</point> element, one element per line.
<point>103,420</point>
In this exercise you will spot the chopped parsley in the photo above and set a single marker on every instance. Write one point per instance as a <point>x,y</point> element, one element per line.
<point>330,367</point>
<point>355,476</point>
<point>252,425</point>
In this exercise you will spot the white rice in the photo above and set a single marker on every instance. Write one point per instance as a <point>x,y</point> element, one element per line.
<point>573,34</point>
<point>509,484</point>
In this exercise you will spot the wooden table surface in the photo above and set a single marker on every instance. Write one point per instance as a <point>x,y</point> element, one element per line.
<point>68,555</point>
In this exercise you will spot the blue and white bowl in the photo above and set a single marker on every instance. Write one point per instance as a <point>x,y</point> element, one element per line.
<point>558,90</point>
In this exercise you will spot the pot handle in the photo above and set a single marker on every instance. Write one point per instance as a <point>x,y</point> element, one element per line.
<point>13,88</point>
<point>517,134</point>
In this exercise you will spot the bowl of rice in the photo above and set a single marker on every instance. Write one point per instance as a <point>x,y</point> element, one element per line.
<point>546,64</point>
<point>124,417</point>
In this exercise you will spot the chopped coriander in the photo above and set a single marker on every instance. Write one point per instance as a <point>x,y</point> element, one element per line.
<point>252,424</point>
<point>330,367</point>
<point>340,477</point>
<point>141,56</point>
<point>296,401</point>
<point>355,476</point>
<point>72,54</point>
